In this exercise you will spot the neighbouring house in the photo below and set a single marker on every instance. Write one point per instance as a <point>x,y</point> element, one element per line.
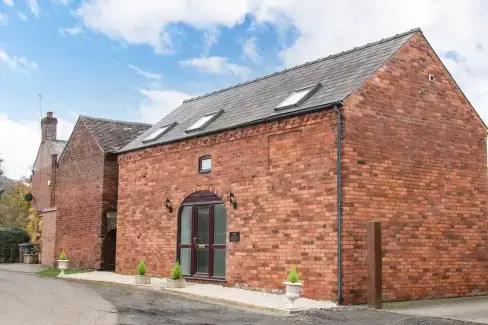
<point>242,183</point>
<point>4,182</point>
<point>86,191</point>
<point>44,184</point>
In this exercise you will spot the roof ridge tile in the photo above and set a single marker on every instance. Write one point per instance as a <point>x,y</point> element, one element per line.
<point>331,56</point>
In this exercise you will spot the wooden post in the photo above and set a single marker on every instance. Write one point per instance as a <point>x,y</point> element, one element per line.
<point>374,265</point>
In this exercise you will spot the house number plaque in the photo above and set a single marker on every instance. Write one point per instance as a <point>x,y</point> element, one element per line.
<point>235,237</point>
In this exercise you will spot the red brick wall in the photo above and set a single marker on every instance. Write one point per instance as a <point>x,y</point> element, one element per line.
<point>283,177</point>
<point>79,200</point>
<point>48,255</point>
<point>415,159</point>
<point>43,173</point>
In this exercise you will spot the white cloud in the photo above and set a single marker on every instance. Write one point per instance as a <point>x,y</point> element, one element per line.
<point>73,31</point>
<point>323,27</point>
<point>249,49</point>
<point>159,102</point>
<point>3,19</point>
<point>22,16</point>
<point>209,39</point>
<point>148,21</point>
<point>9,2</point>
<point>20,63</point>
<point>34,7</point>
<point>144,73</point>
<point>217,65</point>
<point>19,155</point>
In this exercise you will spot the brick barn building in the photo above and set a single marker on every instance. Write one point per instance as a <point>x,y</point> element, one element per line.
<point>86,191</point>
<point>44,183</point>
<point>260,160</point>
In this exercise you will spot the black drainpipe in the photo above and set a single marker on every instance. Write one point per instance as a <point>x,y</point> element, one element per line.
<point>339,208</point>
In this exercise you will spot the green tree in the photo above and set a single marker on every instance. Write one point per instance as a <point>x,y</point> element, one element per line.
<point>14,209</point>
<point>1,168</point>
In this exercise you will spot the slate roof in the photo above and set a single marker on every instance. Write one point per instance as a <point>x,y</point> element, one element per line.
<point>255,101</point>
<point>56,147</point>
<point>113,135</point>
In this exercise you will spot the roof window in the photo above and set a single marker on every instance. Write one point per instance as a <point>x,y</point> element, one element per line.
<point>297,97</point>
<point>203,121</point>
<point>159,132</point>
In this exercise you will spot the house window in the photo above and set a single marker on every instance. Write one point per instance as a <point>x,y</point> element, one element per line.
<point>203,121</point>
<point>205,164</point>
<point>297,97</point>
<point>159,132</point>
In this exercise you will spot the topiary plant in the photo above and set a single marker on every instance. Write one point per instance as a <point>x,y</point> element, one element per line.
<point>293,275</point>
<point>9,244</point>
<point>63,256</point>
<point>141,268</point>
<point>176,271</point>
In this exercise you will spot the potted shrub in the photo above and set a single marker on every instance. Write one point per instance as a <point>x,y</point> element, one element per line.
<point>176,278</point>
<point>293,285</point>
<point>141,277</point>
<point>63,262</point>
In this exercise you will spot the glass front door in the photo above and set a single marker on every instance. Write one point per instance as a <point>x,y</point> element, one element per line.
<point>202,240</point>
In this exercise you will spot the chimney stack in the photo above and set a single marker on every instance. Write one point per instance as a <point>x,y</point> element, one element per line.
<point>49,126</point>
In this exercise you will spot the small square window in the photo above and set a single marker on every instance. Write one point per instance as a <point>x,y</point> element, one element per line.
<point>205,165</point>
<point>297,97</point>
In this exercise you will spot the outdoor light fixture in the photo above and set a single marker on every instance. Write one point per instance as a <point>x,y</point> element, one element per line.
<point>232,200</point>
<point>168,205</point>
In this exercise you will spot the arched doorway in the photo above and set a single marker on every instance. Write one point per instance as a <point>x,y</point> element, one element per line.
<point>202,224</point>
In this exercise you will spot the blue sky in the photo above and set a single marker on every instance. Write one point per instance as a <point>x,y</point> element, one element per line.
<point>137,60</point>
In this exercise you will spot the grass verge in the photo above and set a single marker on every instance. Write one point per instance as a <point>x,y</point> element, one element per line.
<point>51,273</point>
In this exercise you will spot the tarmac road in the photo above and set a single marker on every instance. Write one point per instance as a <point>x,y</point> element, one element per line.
<point>26,299</point>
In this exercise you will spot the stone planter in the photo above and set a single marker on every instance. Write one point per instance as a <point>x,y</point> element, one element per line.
<point>142,279</point>
<point>292,291</point>
<point>30,258</point>
<point>63,265</point>
<point>180,283</point>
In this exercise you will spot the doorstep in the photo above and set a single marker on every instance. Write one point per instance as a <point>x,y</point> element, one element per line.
<point>214,293</point>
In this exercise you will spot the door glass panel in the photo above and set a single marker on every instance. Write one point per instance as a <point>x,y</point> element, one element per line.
<point>203,226</point>
<point>185,260</point>
<point>219,262</point>
<point>220,224</point>
<point>185,226</point>
<point>202,260</point>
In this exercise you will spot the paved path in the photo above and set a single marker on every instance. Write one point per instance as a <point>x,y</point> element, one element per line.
<point>474,309</point>
<point>19,267</point>
<point>26,299</point>
<point>217,293</point>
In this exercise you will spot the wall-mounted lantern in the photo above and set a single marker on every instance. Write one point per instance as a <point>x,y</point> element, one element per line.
<point>232,200</point>
<point>168,205</point>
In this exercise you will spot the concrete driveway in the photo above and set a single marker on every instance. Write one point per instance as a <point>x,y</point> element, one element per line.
<point>473,309</point>
<point>26,299</point>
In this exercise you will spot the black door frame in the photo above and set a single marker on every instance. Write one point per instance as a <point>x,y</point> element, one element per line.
<point>193,245</point>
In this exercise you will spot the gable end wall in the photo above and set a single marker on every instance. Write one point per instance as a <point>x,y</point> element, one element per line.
<point>415,159</point>
<point>79,201</point>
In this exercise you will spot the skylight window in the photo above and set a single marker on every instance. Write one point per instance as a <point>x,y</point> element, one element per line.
<point>297,97</point>
<point>159,132</point>
<point>203,121</point>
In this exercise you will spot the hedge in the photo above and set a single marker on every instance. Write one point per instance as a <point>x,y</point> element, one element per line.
<point>9,244</point>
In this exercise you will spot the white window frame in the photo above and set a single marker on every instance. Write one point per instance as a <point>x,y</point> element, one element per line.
<point>163,129</point>
<point>310,90</point>
<point>213,116</point>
